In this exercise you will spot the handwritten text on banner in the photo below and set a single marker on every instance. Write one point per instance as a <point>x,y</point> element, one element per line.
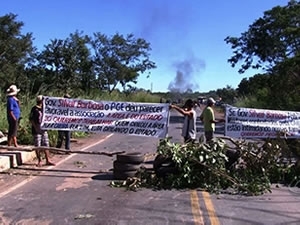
<point>261,123</point>
<point>142,119</point>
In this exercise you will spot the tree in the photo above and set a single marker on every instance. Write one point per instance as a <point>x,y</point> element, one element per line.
<point>119,59</point>
<point>270,40</point>
<point>16,52</point>
<point>285,84</point>
<point>273,44</point>
<point>250,86</point>
<point>227,94</point>
<point>67,63</point>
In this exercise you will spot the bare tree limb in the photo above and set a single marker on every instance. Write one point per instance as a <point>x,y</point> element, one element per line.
<point>52,149</point>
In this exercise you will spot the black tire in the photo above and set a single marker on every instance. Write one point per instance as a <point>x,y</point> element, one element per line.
<point>126,166</point>
<point>162,161</point>
<point>133,157</point>
<point>233,157</point>
<point>123,175</point>
<point>164,171</point>
<point>164,165</point>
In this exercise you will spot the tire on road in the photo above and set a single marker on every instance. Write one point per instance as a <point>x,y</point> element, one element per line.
<point>126,166</point>
<point>166,170</point>
<point>162,161</point>
<point>123,175</point>
<point>164,165</point>
<point>233,156</point>
<point>133,157</point>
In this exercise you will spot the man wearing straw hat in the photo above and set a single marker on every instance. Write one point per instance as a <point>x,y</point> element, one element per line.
<point>208,118</point>
<point>13,114</point>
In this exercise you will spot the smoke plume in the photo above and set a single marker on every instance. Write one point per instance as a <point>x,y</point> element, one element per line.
<point>185,75</point>
<point>165,24</point>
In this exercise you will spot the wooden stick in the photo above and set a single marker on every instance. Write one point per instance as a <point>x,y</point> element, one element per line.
<point>52,149</point>
<point>20,148</point>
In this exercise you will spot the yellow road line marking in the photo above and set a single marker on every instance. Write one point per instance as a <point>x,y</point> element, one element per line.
<point>197,214</point>
<point>210,209</point>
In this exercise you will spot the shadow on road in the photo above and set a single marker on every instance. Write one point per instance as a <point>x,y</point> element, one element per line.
<point>51,172</point>
<point>104,176</point>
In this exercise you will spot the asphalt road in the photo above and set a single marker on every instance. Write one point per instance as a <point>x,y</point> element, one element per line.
<point>77,191</point>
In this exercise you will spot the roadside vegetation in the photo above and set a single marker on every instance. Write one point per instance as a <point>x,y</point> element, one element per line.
<point>222,166</point>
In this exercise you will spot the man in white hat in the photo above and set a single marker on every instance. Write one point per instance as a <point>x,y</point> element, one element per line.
<point>208,118</point>
<point>13,114</point>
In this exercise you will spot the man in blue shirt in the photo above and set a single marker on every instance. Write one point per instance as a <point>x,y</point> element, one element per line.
<point>13,114</point>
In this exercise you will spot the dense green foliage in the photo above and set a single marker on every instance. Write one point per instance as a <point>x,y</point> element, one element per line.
<point>210,167</point>
<point>78,64</point>
<point>88,67</point>
<point>16,52</point>
<point>270,40</point>
<point>272,43</point>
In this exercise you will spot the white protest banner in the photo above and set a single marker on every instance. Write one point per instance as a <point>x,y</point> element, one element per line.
<point>261,123</point>
<point>131,118</point>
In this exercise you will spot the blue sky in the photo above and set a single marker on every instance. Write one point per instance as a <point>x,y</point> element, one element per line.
<point>186,36</point>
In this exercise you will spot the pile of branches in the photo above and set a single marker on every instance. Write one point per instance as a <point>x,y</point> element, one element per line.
<point>235,166</point>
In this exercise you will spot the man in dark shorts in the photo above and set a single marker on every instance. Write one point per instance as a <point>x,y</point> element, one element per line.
<point>64,135</point>
<point>40,136</point>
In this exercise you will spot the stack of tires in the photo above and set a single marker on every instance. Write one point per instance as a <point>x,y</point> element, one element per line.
<point>127,164</point>
<point>164,165</point>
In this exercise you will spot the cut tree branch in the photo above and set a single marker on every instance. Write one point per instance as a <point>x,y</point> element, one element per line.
<point>52,149</point>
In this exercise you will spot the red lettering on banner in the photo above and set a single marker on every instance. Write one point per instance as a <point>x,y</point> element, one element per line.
<point>97,121</point>
<point>59,119</point>
<point>66,103</point>
<point>254,113</point>
<point>118,115</point>
<point>273,115</point>
<point>90,105</point>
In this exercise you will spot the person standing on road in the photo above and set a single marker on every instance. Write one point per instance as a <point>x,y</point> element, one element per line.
<point>208,118</point>
<point>40,136</point>
<point>64,135</point>
<point>13,114</point>
<point>190,116</point>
